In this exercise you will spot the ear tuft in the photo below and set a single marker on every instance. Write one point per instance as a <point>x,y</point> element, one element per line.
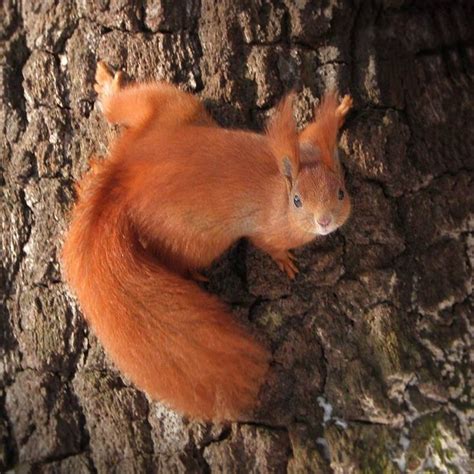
<point>328,118</point>
<point>281,130</point>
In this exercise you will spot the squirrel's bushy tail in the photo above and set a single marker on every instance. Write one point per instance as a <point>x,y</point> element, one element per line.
<point>174,341</point>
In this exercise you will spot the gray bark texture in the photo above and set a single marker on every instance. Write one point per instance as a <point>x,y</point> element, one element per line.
<point>371,344</point>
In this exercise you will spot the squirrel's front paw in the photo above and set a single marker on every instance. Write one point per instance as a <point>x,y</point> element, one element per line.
<point>107,83</point>
<point>285,261</point>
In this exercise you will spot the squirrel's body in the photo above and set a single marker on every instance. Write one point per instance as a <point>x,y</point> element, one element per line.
<point>196,206</point>
<point>175,193</point>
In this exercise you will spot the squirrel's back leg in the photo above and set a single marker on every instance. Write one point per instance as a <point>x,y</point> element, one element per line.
<point>136,105</point>
<point>342,110</point>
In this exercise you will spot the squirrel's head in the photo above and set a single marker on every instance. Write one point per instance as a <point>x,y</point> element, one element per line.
<point>317,197</point>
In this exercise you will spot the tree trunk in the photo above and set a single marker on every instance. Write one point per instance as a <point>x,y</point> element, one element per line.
<point>371,343</point>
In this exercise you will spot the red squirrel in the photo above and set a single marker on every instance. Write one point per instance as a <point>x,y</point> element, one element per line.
<point>174,193</point>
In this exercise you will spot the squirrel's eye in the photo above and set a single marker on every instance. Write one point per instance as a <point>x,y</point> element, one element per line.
<point>297,201</point>
<point>340,195</point>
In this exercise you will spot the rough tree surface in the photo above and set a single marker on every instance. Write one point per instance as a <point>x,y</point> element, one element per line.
<point>372,341</point>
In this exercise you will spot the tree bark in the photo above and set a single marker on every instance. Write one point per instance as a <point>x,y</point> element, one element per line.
<point>371,343</point>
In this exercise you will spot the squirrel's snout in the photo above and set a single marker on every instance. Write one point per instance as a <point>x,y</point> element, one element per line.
<point>324,221</point>
<point>325,224</point>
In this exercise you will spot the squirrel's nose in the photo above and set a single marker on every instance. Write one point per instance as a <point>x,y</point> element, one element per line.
<point>324,221</point>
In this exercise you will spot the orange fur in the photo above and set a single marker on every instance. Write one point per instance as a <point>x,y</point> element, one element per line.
<point>135,106</point>
<point>329,117</point>
<point>283,135</point>
<point>174,194</point>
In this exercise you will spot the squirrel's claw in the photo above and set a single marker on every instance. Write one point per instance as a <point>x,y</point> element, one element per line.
<point>195,275</point>
<point>285,262</point>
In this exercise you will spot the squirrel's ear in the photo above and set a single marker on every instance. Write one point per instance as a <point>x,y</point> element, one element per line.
<point>323,131</point>
<point>281,130</point>
<point>288,172</point>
